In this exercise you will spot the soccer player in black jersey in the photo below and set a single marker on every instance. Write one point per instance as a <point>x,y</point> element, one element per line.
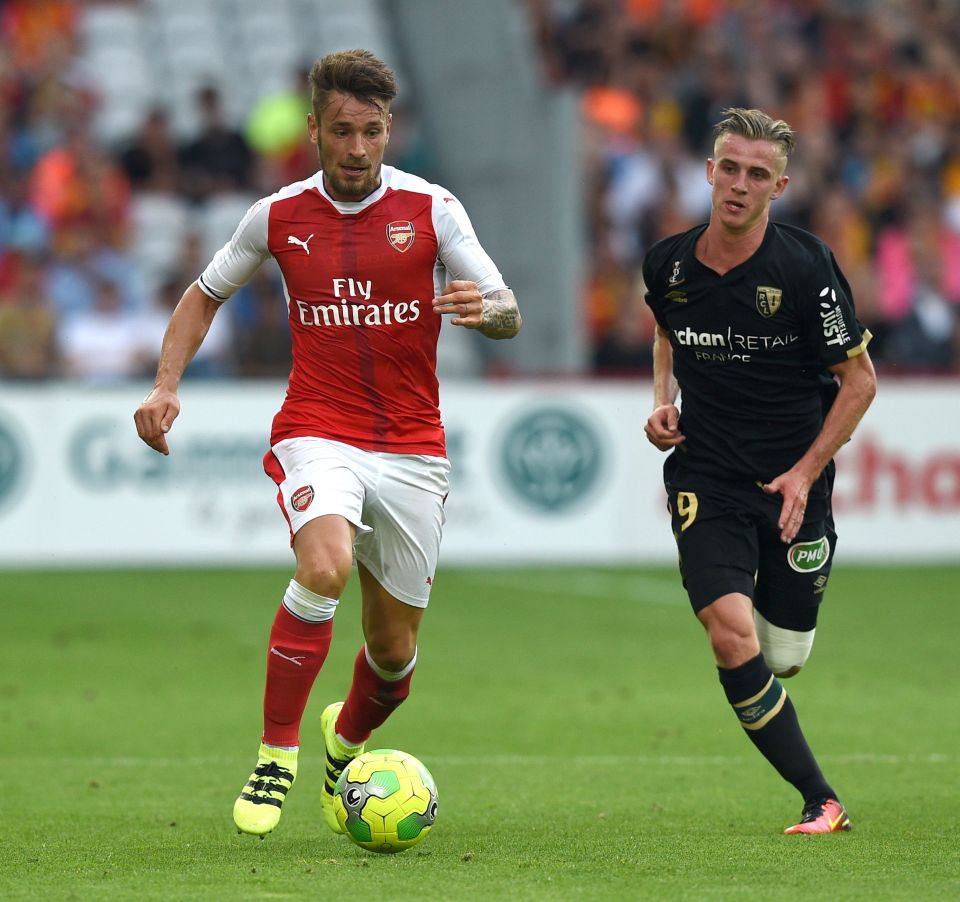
<point>757,334</point>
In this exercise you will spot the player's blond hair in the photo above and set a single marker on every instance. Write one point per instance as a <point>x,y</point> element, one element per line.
<point>756,125</point>
<point>355,72</point>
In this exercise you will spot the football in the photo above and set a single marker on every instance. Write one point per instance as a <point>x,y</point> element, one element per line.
<point>385,800</point>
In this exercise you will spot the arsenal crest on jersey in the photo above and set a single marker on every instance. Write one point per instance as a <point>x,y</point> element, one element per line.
<point>302,498</point>
<point>401,234</point>
<point>768,300</point>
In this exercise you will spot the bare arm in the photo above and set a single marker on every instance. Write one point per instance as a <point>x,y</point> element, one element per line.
<point>858,386</point>
<point>495,315</point>
<point>662,427</point>
<point>665,388</point>
<point>185,333</point>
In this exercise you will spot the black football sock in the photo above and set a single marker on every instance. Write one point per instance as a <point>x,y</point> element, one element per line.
<point>770,720</point>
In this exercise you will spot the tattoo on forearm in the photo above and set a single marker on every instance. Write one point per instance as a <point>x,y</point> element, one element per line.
<point>501,316</point>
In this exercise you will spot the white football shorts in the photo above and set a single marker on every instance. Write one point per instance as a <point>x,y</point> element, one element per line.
<point>395,501</point>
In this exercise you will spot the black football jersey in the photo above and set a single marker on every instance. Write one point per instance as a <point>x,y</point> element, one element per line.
<point>751,349</point>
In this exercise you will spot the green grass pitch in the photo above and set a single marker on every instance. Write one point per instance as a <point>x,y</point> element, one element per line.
<point>572,718</point>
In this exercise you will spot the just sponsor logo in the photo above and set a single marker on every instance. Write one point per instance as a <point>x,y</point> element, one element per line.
<point>834,328</point>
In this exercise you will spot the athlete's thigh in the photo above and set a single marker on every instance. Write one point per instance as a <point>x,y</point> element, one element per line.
<point>316,477</point>
<point>791,579</point>
<point>406,513</point>
<point>717,544</point>
<point>324,543</point>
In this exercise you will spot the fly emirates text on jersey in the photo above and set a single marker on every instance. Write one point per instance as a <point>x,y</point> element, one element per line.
<point>353,308</point>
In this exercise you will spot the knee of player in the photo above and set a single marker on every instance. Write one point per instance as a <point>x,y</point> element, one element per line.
<point>391,652</point>
<point>785,651</point>
<point>732,648</point>
<point>730,629</point>
<point>732,640</point>
<point>324,572</point>
<point>392,658</point>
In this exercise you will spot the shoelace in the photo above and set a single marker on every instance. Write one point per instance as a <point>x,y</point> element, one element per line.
<point>270,774</point>
<point>812,812</point>
<point>335,767</point>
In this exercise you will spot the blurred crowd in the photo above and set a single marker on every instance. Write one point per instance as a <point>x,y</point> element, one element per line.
<point>98,241</point>
<point>873,91</point>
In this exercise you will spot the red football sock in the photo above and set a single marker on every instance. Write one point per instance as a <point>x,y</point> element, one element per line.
<point>370,701</point>
<point>297,651</point>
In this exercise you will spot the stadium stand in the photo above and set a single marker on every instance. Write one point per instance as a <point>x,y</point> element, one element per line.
<point>103,101</point>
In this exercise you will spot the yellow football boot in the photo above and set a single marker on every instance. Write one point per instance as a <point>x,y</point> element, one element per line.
<point>257,811</point>
<point>338,757</point>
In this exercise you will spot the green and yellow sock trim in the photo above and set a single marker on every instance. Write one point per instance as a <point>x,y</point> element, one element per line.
<point>758,710</point>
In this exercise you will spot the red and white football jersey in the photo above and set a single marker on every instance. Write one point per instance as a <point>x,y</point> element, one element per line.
<point>359,280</point>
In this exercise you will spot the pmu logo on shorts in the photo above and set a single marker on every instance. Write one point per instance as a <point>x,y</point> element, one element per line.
<point>806,557</point>
<point>302,498</point>
<point>401,234</point>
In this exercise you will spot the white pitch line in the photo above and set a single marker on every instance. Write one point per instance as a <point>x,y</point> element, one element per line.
<point>675,760</point>
<point>932,758</point>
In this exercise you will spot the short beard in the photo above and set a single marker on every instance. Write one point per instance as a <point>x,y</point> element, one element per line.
<point>358,190</point>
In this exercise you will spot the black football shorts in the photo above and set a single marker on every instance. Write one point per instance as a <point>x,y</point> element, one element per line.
<point>728,541</point>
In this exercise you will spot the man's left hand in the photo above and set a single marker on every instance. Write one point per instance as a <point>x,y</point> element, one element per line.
<point>461,299</point>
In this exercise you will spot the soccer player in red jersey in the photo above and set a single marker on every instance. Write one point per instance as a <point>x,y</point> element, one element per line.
<point>371,259</point>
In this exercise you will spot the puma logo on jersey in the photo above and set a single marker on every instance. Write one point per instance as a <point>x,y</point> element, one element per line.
<point>292,239</point>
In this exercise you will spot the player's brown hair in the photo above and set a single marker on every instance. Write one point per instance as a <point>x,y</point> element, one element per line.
<point>355,72</point>
<point>757,125</point>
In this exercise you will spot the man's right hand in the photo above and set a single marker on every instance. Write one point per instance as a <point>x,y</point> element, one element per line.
<point>662,427</point>
<point>155,416</point>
